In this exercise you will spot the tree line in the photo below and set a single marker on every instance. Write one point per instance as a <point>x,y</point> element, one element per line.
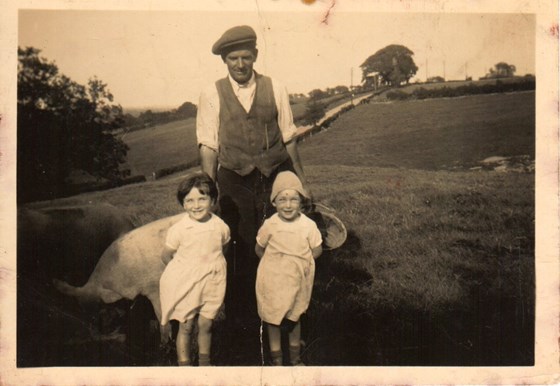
<point>393,65</point>
<point>526,83</point>
<point>63,126</point>
<point>150,118</point>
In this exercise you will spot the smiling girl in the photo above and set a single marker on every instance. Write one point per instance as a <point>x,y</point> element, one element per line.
<point>194,280</point>
<point>287,243</point>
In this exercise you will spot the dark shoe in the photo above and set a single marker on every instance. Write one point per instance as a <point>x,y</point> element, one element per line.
<point>204,360</point>
<point>276,357</point>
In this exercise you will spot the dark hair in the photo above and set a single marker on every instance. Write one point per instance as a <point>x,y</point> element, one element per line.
<point>202,182</point>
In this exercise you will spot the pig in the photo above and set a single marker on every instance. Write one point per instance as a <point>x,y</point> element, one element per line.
<point>66,241</point>
<point>131,266</point>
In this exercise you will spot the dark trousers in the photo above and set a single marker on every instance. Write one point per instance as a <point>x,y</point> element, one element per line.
<point>244,205</point>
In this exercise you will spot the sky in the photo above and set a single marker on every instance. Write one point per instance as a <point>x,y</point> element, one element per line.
<point>162,58</point>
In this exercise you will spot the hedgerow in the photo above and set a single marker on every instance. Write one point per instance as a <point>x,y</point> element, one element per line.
<point>471,89</point>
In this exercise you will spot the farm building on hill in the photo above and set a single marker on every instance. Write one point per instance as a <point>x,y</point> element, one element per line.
<point>373,80</point>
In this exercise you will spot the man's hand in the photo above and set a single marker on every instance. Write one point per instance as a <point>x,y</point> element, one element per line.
<point>208,161</point>
<point>291,148</point>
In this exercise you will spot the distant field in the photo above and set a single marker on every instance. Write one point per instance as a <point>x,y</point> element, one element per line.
<point>298,110</point>
<point>430,134</point>
<point>458,83</point>
<point>161,146</point>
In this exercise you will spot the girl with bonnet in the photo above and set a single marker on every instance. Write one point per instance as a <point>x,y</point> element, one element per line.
<point>287,244</point>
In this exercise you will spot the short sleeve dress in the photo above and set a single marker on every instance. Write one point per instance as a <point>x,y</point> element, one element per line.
<point>194,281</point>
<point>287,269</point>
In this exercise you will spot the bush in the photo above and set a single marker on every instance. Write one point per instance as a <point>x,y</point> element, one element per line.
<point>397,95</point>
<point>524,84</point>
<point>314,111</point>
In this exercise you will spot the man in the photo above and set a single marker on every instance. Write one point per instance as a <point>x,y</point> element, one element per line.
<point>246,136</point>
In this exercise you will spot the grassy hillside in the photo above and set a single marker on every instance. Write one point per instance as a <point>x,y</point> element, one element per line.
<point>438,268</point>
<point>161,146</point>
<point>469,128</point>
<point>430,134</point>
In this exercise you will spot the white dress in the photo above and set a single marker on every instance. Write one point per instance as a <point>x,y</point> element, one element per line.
<point>194,281</point>
<point>287,269</point>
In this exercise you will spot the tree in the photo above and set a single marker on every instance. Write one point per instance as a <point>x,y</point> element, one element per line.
<point>314,111</point>
<point>63,126</point>
<point>131,122</point>
<point>297,98</point>
<point>186,110</point>
<point>393,63</point>
<point>341,89</point>
<point>435,79</point>
<point>501,70</point>
<point>317,94</point>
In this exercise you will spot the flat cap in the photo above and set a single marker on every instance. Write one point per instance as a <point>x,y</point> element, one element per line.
<point>238,35</point>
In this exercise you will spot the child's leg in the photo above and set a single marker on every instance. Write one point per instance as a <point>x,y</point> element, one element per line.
<point>183,343</point>
<point>275,343</point>
<point>294,338</point>
<point>204,340</point>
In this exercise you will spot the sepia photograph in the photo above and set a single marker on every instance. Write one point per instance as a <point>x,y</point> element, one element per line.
<point>301,192</point>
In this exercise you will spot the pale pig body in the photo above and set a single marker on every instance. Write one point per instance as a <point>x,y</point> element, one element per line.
<point>131,266</point>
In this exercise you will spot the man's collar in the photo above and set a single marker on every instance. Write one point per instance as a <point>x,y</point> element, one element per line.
<point>236,85</point>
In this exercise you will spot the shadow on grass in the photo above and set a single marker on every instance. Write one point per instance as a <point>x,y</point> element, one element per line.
<point>53,330</point>
<point>488,329</point>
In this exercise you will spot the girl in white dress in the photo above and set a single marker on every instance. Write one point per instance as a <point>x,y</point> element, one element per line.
<point>194,280</point>
<point>288,244</point>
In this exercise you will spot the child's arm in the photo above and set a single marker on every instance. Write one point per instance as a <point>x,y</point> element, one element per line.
<point>314,238</point>
<point>226,238</point>
<point>167,254</point>
<point>316,252</point>
<point>259,250</point>
<point>263,236</point>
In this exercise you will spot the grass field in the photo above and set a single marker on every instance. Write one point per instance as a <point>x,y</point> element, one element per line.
<point>438,268</point>
<point>430,134</point>
<point>161,147</point>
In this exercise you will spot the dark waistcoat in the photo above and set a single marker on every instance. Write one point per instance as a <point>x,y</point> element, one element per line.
<point>250,140</point>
